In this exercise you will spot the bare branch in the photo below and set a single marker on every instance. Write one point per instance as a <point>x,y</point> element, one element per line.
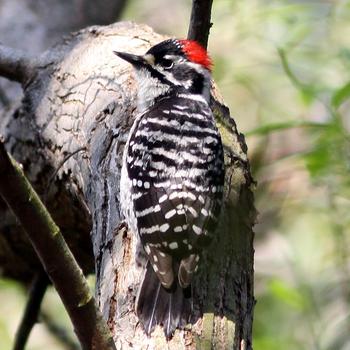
<point>58,331</point>
<point>200,21</point>
<point>54,254</point>
<point>30,316</point>
<point>16,65</point>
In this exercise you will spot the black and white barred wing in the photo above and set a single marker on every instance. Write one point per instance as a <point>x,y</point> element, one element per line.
<point>175,162</point>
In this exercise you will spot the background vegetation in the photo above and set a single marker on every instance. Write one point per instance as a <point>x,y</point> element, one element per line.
<point>283,69</point>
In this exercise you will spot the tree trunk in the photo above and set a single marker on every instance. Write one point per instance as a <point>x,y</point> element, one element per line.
<point>69,133</point>
<point>35,25</point>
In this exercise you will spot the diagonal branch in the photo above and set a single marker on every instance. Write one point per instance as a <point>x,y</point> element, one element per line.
<point>30,316</point>
<point>57,331</point>
<point>200,21</point>
<point>16,65</point>
<point>54,254</point>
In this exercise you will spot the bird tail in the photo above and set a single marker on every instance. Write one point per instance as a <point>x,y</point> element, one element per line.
<point>156,305</point>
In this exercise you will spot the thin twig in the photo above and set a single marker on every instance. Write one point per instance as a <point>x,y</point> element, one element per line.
<point>31,312</point>
<point>58,332</point>
<point>200,21</point>
<point>54,254</point>
<point>16,65</point>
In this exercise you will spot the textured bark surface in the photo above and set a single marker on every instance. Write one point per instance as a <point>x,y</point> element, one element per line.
<point>69,133</point>
<point>35,25</point>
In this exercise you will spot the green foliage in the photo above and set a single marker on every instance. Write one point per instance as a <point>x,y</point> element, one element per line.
<point>287,82</point>
<point>330,153</point>
<point>341,95</point>
<point>268,128</point>
<point>280,290</point>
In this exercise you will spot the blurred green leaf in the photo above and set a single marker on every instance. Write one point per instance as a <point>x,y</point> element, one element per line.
<point>330,156</point>
<point>10,284</point>
<point>274,343</point>
<point>318,160</point>
<point>272,127</point>
<point>307,91</point>
<point>289,295</point>
<point>341,95</point>
<point>5,339</point>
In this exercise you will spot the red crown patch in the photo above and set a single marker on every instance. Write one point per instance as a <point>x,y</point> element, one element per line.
<point>196,53</point>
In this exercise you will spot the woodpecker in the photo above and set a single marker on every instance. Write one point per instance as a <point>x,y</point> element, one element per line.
<point>172,176</point>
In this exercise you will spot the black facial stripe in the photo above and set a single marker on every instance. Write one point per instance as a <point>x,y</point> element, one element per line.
<point>197,84</point>
<point>158,75</point>
<point>183,72</point>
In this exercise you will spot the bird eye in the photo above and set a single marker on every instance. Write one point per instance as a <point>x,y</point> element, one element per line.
<point>167,64</point>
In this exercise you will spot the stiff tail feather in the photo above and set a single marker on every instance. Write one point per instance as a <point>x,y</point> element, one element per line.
<point>156,305</point>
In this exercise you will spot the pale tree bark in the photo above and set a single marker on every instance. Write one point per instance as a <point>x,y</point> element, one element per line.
<point>36,25</point>
<point>73,123</point>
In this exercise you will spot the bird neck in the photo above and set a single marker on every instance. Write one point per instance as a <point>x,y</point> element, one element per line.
<point>151,89</point>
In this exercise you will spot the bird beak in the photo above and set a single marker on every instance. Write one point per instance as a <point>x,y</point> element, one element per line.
<point>135,60</point>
